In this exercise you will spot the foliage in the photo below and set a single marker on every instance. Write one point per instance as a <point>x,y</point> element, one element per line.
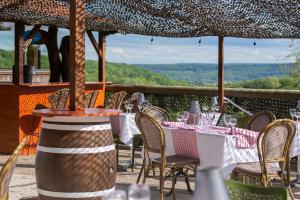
<point>207,74</point>
<point>116,73</point>
<point>4,28</point>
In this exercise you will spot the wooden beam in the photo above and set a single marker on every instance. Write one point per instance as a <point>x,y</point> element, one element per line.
<point>77,55</point>
<point>19,54</point>
<point>221,72</point>
<point>94,43</point>
<point>102,58</point>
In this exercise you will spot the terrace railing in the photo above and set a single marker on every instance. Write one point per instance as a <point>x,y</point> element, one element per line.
<point>177,99</point>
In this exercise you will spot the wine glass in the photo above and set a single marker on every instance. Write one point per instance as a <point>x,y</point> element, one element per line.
<point>140,106</point>
<point>179,118</point>
<point>185,116</point>
<point>116,195</point>
<point>292,112</point>
<point>127,107</point>
<point>232,122</point>
<point>226,118</point>
<point>205,109</point>
<point>130,107</point>
<point>138,192</point>
<point>211,117</point>
<point>216,108</point>
<point>297,115</point>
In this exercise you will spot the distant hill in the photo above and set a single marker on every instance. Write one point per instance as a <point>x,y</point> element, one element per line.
<point>208,73</point>
<point>115,72</point>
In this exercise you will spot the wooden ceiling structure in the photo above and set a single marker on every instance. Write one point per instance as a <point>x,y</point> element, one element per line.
<point>168,18</point>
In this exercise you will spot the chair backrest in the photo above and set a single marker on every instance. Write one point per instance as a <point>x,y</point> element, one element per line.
<point>238,190</point>
<point>115,100</point>
<point>59,98</point>
<point>8,169</point>
<point>157,113</point>
<point>90,99</point>
<point>260,120</point>
<point>152,132</point>
<point>273,143</point>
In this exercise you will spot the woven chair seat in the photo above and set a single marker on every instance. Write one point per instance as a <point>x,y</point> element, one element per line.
<point>176,161</point>
<point>254,168</point>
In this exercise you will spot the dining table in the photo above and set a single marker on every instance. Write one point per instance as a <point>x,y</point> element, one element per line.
<point>214,146</point>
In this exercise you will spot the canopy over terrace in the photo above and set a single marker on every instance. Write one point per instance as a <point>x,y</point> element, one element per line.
<point>170,18</point>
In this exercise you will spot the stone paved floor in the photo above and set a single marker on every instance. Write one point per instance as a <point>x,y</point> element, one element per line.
<point>23,183</point>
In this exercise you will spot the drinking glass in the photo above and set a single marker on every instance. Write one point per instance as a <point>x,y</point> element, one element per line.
<point>292,112</point>
<point>226,118</point>
<point>138,192</point>
<point>116,195</point>
<point>297,115</point>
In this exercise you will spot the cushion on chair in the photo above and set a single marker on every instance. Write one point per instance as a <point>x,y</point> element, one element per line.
<point>254,168</point>
<point>177,160</point>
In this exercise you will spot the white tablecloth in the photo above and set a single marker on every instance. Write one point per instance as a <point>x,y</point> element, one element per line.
<point>220,150</point>
<point>124,125</point>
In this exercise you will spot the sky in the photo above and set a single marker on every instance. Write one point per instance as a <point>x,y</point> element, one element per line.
<point>137,49</point>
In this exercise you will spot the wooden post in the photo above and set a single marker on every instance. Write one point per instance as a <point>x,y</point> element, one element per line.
<point>102,58</point>
<point>221,73</point>
<point>77,55</point>
<point>19,54</point>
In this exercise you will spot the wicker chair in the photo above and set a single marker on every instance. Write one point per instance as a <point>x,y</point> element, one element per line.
<point>260,120</point>
<point>240,191</point>
<point>154,142</point>
<point>8,169</point>
<point>273,146</point>
<point>90,99</point>
<point>115,100</point>
<point>59,98</point>
<point>157,113</point>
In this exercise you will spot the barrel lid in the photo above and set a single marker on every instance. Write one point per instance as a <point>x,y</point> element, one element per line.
<point>87,112</point>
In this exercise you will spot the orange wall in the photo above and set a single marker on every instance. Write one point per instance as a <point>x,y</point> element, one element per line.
<point>16,106</point>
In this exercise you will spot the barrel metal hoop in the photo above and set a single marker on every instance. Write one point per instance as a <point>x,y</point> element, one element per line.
<point>99,127</point>
<point>77,195</point>
<point>92,150</point>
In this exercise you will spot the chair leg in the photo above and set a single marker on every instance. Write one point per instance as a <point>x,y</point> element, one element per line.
<point>146,173</point>
<point>173,184</point>
<point>133,155</point>
<point>117,148</point>
<point>291,193</point>
<point>186,179</point>
<point>141,171</point>
<point>162,181</point>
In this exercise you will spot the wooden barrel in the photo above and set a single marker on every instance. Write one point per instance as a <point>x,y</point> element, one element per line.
<point>75,158</point>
